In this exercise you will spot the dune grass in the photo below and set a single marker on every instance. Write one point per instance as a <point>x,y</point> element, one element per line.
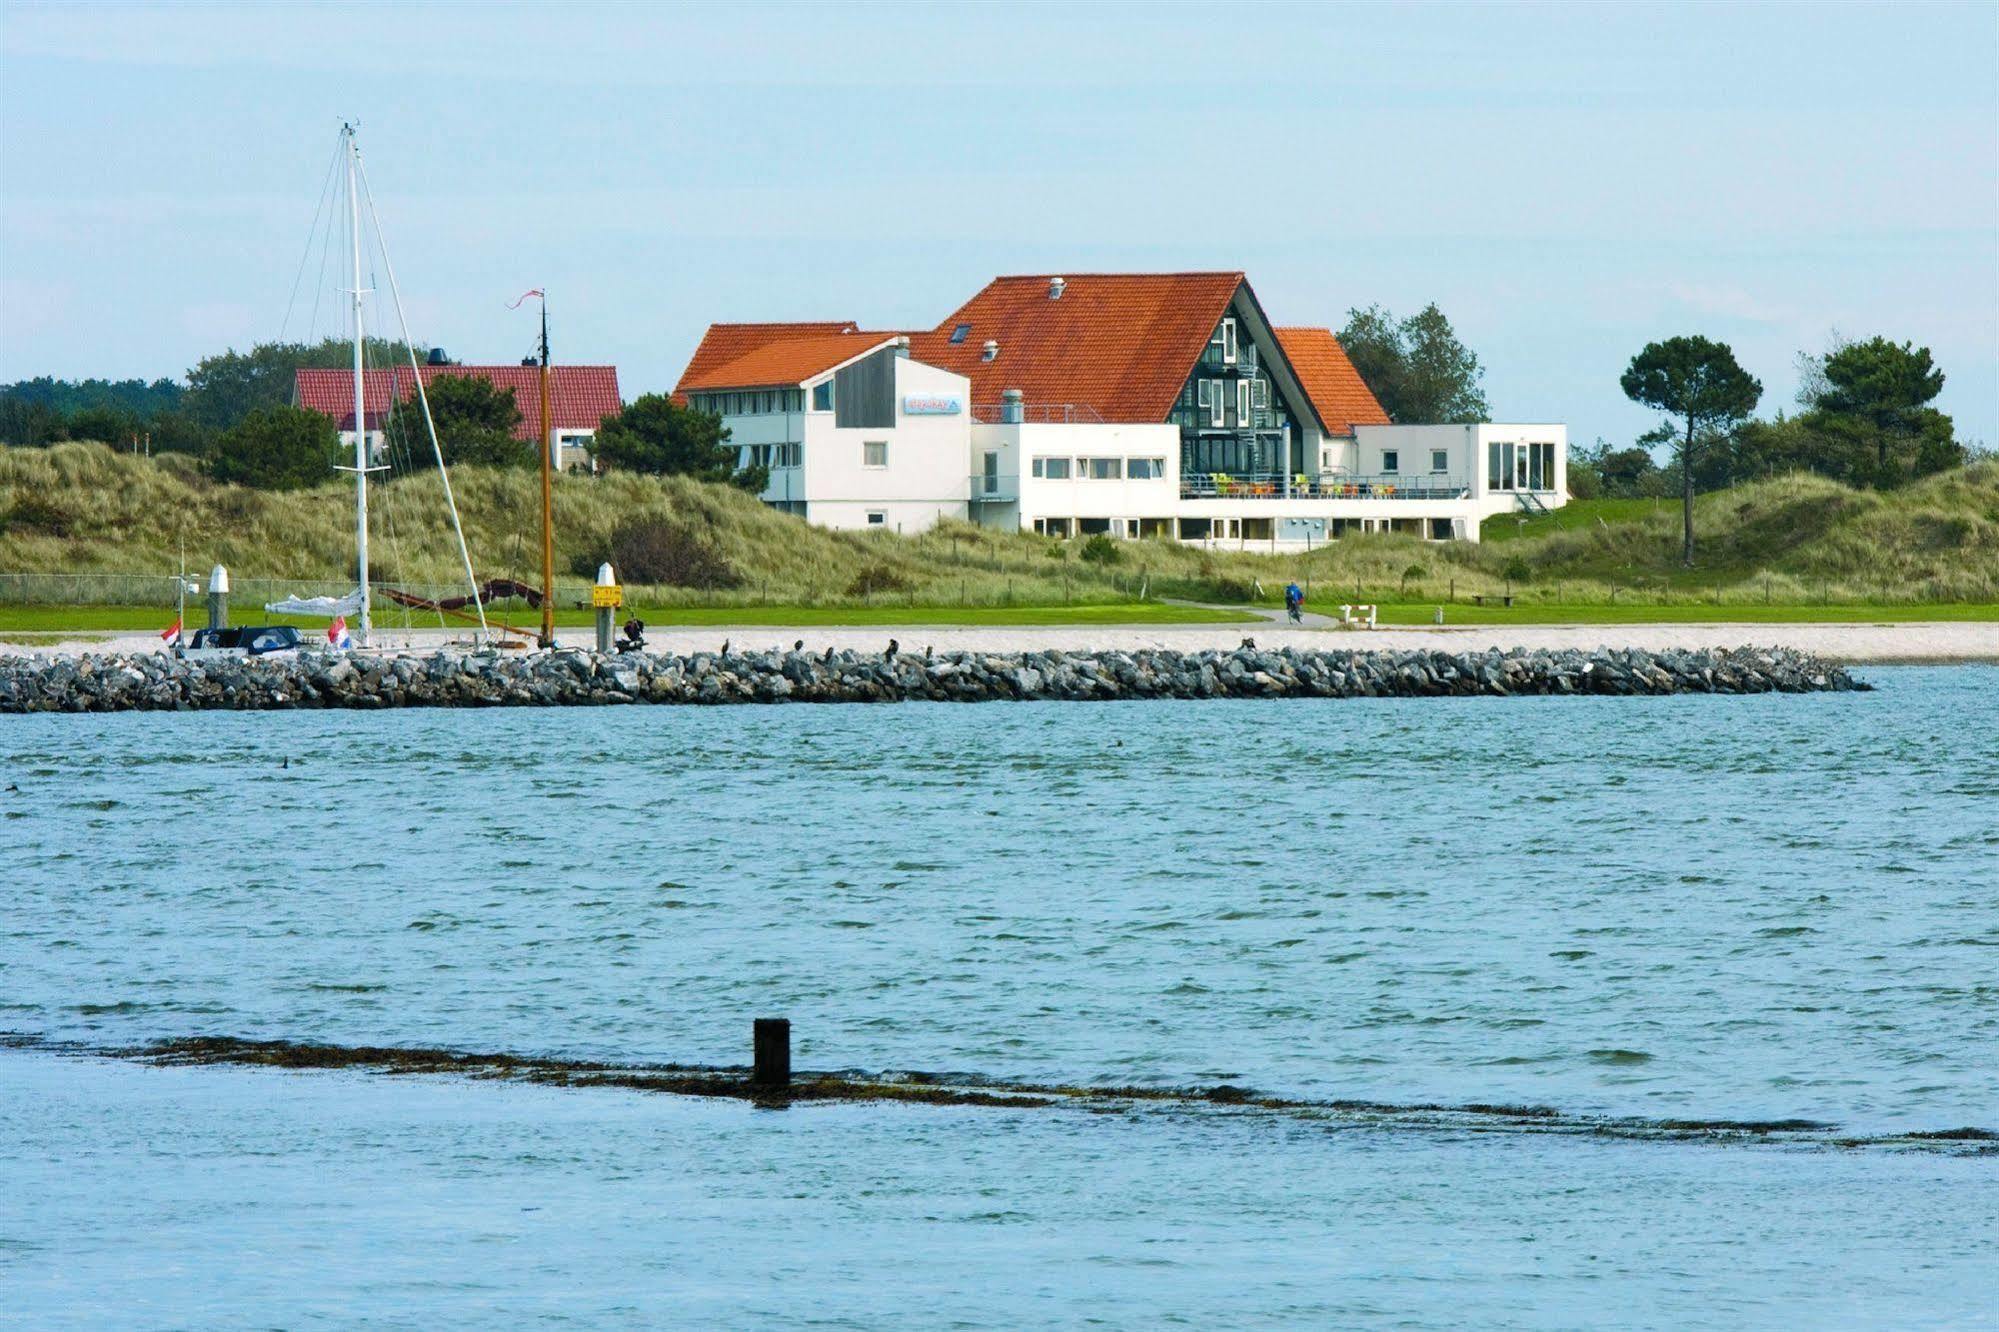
<point>82,524</point>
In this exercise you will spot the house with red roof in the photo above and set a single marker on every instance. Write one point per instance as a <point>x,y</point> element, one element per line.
<point>579,398</point>
<point>1126,404</point>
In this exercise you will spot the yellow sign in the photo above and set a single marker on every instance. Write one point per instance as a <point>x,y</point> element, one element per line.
<point>600,597</point>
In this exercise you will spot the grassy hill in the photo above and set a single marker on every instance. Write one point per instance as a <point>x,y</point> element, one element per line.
<point>113,525</point>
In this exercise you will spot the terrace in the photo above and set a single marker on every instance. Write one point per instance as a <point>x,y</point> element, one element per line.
<point>1274,485</point>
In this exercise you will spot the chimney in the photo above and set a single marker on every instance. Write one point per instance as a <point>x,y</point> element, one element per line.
<point>1012,409</point>
<point>1055,286</point>
<point>902,346</point>
<point>992,351</point>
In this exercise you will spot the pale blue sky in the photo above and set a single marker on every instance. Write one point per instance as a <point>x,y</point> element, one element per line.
<point>1566,181</point>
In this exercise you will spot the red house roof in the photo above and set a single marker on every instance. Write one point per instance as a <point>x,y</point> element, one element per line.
<point>1121,344</point>
<point>1338,393</point>
<point>785,364</point>
<point>579,396</point>
<point>723,343</point>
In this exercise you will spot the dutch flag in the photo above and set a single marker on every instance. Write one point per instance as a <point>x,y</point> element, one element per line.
<point>337,635</point>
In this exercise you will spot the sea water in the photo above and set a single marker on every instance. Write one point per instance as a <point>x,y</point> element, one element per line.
<point>1680,908</point>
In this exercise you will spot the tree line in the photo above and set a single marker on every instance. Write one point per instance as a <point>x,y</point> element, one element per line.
<point>234,415</point>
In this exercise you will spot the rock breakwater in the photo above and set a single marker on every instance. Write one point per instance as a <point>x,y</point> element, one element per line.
<point>158,682</point>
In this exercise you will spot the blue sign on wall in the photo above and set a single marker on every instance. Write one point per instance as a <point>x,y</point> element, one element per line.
<point>931,404</point>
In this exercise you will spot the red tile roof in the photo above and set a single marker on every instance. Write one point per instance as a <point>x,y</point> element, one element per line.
<point>579,396</point>
<point>785,364</point>
<point>1120,344</point>
<point>1339,395</point>
<point>723,343</point>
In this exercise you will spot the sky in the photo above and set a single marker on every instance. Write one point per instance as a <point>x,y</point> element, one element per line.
<point>1566,182</point>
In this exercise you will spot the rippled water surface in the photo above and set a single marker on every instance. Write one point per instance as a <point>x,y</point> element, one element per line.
<point>1714,908</point>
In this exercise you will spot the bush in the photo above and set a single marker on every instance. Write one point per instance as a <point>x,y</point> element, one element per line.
<point>1100,549</point>
<point>878,580</point>
<point>659,550</point>
<point>276,448</point>
<point>1518,571</point>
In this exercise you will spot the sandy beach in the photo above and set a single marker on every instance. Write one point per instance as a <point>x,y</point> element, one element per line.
<point>1853,644</point>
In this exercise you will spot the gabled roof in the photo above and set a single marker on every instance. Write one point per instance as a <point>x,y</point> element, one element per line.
<point>723,343</point>
<point>1120,344</point>
<point>1338,394</point>
<point>579,396</point>
<point>786,364</point>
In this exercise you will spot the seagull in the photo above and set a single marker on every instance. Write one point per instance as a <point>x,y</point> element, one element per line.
<point>799,646</point>
<point>926,652</point>
<point>1249,642</point>
<point>725,647</point>
<point>891,648</point>
<point>829,654</point>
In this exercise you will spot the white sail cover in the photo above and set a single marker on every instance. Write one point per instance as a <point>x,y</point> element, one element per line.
<point>325,606</point>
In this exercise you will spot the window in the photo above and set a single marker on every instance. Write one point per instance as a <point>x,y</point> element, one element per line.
<point>1145,469</point>
<point>1498,475</point>
<point>876,518</point>
<point>1227,336</point>
<point>1259,393</point>
<point>960,333</point>
<point>874,453</point>
<point>1055,527</point>
<point>1440,529</point>
<point>1218,404</point>
<point>1242,417</point>
<point>1391,460</point>
<point>822,397</point>
<point>1093,526</point>
<point>1440,460</point>
<point>1104,469</point>
<point>1052,469</point>
<point>1204,389</point>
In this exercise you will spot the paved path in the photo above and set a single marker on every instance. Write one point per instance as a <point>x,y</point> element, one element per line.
<point>1850,643</point>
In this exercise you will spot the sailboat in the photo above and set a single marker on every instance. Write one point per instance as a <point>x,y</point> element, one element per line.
<point>358,604</point>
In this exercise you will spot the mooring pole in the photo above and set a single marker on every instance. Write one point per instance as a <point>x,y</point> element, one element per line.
<point>772,1058</point>
<point>218,598</point>
<point>606,577</point>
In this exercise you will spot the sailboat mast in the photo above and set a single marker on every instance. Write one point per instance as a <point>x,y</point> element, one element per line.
<point>547,498</point>
<point>360,398</point>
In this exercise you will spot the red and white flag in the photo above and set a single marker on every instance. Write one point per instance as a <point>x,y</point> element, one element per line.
<point>171,631</point>
<point>336,634</point>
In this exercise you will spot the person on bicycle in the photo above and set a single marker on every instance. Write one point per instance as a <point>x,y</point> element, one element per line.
<point>1294,602</point>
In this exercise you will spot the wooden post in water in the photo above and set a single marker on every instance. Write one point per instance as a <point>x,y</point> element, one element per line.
<point>771,1059</point>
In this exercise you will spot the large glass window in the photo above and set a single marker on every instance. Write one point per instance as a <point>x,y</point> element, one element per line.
<point>822,397</point>
<point>1218,410</point>
<point>1242,416</point>
<point>1145,469</point>
<point>1228,342</point>
<point>1391,461</point>
<point>1104,469</point>
<point>1052,469</point>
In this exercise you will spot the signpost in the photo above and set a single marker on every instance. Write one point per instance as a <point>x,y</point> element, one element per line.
<point>606,596</point>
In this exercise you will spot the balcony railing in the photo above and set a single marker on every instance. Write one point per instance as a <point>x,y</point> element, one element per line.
<point>1271,485</point>
<point>1037,413</point>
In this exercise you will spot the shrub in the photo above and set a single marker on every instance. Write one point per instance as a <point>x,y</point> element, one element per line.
<point>878,579</point>
<point>1518,571</point>
<point>276,448</point>
<point>1100,549</point>
<point>659,550</point>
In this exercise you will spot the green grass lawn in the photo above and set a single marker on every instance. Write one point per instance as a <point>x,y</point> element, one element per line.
<point>136,619</point>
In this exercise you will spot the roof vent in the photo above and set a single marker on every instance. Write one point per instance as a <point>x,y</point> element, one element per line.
<point>991,351</point>
<point>437,357</point>
<point>1055,286</point>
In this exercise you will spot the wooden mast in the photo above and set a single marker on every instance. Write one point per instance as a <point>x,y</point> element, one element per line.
<point>547,497</point>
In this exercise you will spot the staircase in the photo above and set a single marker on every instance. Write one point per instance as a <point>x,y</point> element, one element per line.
<point>1529,502</point>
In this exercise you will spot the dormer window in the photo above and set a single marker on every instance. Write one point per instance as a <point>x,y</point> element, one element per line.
<point>960,333</point>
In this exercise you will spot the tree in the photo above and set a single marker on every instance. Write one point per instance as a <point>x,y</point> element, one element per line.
<point>1416,367</point>
<point>223,389</point>
<point>656,434</point>
<point>1877,394</point>
<point>1700,382</point>
<point>475,420</point>
<point>276,448</point>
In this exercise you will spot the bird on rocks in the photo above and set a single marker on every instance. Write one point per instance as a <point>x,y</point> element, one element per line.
<point>725,647</point>
<point>893,647</point>
<point>828,656</point>
<point>926,652</point>
<point>799,646</point>
<point>1249,642</point>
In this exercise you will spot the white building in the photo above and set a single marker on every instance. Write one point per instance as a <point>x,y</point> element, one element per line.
<point>1132,405</point>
